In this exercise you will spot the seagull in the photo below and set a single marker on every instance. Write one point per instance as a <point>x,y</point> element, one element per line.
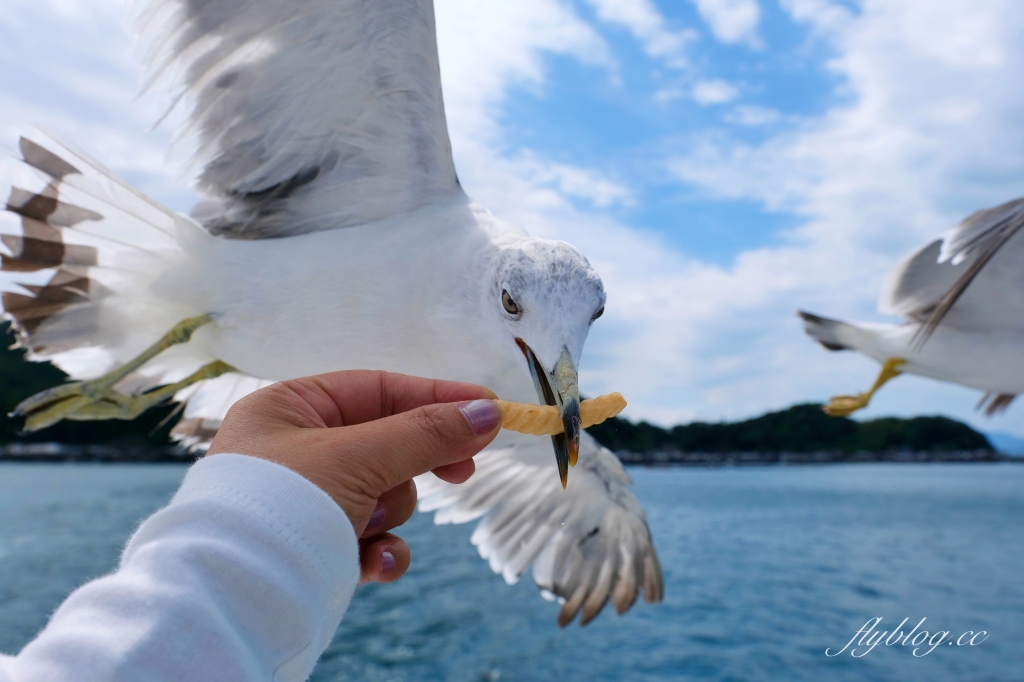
<point>332,233</point>
<point>962,297</point>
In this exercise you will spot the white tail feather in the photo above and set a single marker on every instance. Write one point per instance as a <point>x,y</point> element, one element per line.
<point>80,247</point>
<point>81,250</point>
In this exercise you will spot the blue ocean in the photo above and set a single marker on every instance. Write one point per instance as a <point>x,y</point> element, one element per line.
<point>766,568</point>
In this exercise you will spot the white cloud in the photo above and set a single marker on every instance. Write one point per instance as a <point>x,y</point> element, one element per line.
<point>753,115</point>
<point>669,94</point>
<point>823,15</point>
<point>487,47</point>
<point>477,77</point>
<point>732,21</point>
<point>709,92</point>
<point>647,25</point>
<point>571,181</point>
<point>930,132</point>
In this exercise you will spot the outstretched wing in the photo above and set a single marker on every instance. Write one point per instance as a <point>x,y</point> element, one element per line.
<point>969,278</point>
<point>919,282</point>
<point>306,114</point>
<point>978,230</point>
<point>588,543</point>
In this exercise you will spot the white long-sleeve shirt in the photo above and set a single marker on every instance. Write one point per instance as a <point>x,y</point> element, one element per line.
<point>245,575</point>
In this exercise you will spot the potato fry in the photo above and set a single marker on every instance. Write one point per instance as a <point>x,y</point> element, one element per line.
<point>544,420</point>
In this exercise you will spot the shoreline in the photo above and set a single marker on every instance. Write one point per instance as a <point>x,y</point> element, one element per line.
<point>716,459</point>
<point>114,454</point>
<point>94,452</point>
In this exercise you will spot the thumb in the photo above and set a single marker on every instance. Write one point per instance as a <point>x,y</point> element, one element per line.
<point>394,449</point>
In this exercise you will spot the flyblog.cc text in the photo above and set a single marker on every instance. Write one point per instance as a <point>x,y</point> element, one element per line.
<point>923,642</point>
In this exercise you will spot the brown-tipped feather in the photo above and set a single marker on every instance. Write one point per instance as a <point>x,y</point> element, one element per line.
<point>29,312</point>
<point>627,589</point>
<point>572,605</point>
<point>9,264</point>
<point>75,290</point>
<point>32,205</point>
<point>38,253</point>
<point>41,246</point>
<point>995,403</point>
<point>598,595</point>
<point>46,161</point>
<point>73,278</point>
<point>46,208</point>
<point>34,229</point>
<point>28,307</point>
<point>653,585</point>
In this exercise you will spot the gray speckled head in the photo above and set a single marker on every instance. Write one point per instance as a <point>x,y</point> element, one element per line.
<point>555,291</point>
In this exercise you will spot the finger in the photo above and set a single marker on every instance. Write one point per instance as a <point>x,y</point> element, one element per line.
<point>356,397</point>
<point>394,508</point>
<point>383,453</point>
<point>383,559</point>
<point>402,393</point>
<point>456,473</point>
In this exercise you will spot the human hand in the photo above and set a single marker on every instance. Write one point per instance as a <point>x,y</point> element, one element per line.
<point>362,436</point>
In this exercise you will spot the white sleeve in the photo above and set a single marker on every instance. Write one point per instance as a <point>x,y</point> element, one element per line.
<point>245,575</point>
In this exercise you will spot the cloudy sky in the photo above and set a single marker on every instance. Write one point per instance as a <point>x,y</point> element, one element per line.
<point>721,162</point>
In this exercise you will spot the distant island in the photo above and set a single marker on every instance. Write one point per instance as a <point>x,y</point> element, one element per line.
<point>800,434</point>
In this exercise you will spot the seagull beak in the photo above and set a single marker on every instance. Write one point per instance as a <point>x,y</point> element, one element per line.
<point>560,388</point>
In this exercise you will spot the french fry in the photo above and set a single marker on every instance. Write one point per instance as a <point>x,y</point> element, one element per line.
<point>544,420</point>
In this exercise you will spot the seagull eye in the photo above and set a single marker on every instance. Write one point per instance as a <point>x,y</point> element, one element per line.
<point>510,306</point>
<point>599,313</point>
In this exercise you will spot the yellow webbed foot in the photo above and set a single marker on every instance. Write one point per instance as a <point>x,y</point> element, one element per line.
<point>845,405</point>
<point>91,400</point>
<point>97,399</point>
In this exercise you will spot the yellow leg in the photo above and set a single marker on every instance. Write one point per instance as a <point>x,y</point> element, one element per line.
<point>844,405</point>
<point>96,399</point>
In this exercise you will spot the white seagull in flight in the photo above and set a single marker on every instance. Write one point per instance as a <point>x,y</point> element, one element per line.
<point>332,234</point>
<point>963,300</point>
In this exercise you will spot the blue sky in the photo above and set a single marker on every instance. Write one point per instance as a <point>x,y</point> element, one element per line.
<point>721,162</point>
<point>615,120</point>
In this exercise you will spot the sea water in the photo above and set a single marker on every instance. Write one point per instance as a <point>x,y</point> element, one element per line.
<point>768,571</point>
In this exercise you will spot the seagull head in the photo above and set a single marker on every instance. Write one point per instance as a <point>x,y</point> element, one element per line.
<point>546,295</point>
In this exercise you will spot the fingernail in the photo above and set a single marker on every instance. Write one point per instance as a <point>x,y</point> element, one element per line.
<point>377,517</point>
<point>482,415</point>
<point>387,562</point>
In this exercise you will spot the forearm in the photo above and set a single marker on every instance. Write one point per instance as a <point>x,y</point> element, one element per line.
<point>243,576</point>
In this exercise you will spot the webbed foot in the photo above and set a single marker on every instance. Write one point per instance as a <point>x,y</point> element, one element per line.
<point>93,400</point>
<point>97,399</point>
<point>845,405</point>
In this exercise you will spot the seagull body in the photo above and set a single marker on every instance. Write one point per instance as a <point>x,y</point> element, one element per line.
<point>332,234</point>
<point>405,278</point>
<point>962,297</point>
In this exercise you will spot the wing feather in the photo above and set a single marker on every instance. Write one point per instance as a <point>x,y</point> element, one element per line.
<point>978,228</point>
<point>918,283</point>
<point>588,544</point>
<point>970,278</point>
<point>307,114</point>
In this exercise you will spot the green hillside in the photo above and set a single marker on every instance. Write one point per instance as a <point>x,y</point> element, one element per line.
<point>801,428</point>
